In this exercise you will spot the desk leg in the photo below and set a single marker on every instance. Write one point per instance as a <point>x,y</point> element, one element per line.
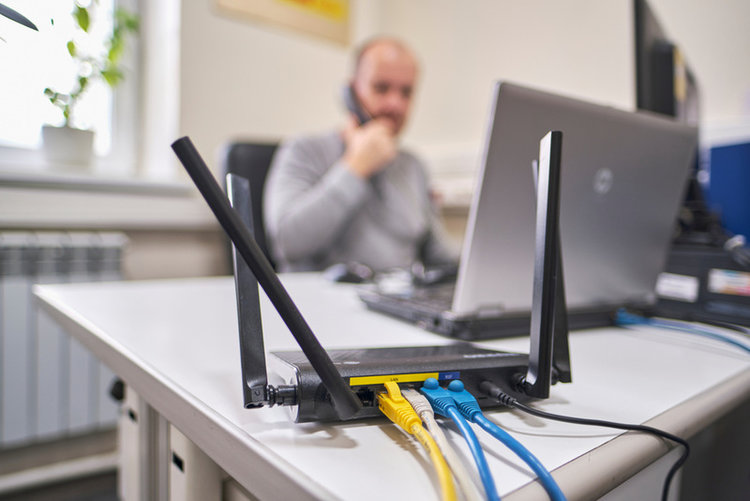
<point>193,476</point>
<point>143,443</point>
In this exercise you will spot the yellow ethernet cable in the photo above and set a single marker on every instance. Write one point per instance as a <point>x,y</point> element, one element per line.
<point>424,410</point>
<point>398,410</point>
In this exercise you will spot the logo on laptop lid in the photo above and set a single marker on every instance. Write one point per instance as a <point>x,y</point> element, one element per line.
<point>603,180</point>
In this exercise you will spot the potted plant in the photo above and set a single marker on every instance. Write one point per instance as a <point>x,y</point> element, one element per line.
<point>67,144</point>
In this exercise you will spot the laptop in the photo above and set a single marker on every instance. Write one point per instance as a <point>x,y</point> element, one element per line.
<point>622,180</point>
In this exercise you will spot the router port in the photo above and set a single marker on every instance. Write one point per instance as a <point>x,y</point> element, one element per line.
<point>366,396</point>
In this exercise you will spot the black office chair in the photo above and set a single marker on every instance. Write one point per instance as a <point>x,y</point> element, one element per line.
<point>251,161</point>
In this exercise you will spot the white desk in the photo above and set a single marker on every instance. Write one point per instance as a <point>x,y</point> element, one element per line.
<point>175,343</point>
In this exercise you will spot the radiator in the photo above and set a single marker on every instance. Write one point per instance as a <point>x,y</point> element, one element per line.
<point>50,385</point>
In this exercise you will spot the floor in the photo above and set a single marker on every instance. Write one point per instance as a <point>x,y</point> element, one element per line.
<point>102,487</point>
<point>87,486</point>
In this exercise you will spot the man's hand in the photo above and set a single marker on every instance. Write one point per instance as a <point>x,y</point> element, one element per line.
<point>370,147</point>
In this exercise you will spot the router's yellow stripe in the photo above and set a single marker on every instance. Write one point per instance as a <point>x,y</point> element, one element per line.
<point>398,378</point>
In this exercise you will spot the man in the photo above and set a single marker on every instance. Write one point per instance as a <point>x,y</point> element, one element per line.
<point>353,195</point>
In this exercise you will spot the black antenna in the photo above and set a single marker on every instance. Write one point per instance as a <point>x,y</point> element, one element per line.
<point>344,400</point>
<point>549,323</point>
<point>17,17</point>
<point>255,388</point>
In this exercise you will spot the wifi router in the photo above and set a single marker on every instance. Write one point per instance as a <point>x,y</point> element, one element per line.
<point>343,384</point>
<point>366,371</point>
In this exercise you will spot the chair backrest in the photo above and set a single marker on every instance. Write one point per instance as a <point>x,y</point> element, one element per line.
<point>252,161</point>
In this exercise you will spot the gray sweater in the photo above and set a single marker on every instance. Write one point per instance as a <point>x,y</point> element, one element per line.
<point>318,213</point>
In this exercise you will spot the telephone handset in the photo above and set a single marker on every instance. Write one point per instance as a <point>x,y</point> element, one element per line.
<point>354,106</point>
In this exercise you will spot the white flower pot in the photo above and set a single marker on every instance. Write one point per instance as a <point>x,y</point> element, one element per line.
<point>68,147</point>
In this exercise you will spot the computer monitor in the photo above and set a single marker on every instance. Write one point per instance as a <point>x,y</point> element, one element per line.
<point>664,81</point>
<point>665,84</point>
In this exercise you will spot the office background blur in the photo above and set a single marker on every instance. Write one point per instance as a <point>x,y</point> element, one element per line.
<point>219,76</point>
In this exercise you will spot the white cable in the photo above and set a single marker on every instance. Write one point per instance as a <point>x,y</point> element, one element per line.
<point>424,410</point>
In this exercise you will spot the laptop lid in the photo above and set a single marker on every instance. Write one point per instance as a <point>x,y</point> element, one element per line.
<point>623,176</point>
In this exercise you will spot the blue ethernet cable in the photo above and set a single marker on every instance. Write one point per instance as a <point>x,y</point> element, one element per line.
<point>624,318</point>
<point>443,404</point>
<point>469,408</point>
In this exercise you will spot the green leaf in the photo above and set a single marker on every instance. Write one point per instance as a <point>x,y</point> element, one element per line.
<point>71,48</point>
<point>126,20</point>
<point>81,15</point>
<point>115,50</point>
<point>113,76</point>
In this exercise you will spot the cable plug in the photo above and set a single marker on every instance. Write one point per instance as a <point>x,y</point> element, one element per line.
<point>419,402</point>
<point>465,401</point>
<point>440,399</point>
<point>443,403</point>
<point>494,391</point>
<point>623,317</point>
<point>397,409</point>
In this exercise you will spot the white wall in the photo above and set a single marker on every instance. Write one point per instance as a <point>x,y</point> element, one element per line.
<point>578,47</point>
<point>240,77</point>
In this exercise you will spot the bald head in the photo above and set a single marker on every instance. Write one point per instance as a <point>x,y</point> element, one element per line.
<point>395,46</point>
<point>385,74</point>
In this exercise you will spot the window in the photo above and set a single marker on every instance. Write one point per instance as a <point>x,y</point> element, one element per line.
<point>32,61</point>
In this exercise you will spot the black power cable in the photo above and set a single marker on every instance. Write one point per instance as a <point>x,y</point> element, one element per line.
<point>495,392</point>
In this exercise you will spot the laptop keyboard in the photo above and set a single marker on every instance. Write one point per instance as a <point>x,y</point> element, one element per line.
<point>435,297</point>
